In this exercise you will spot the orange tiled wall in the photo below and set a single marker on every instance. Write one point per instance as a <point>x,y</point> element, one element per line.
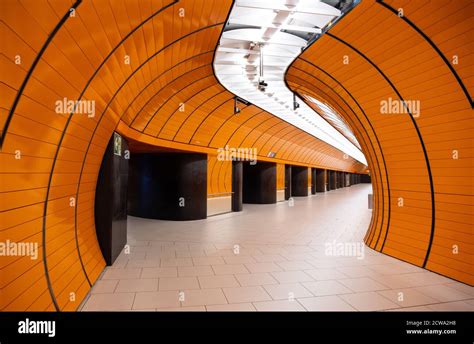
<point>421,166</point>
<point>140,62</point>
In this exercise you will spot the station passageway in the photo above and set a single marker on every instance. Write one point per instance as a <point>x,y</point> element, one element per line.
<point>269,257</point>
<point>308,155</point>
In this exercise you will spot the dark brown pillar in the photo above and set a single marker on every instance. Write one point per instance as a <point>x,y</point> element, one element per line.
<point>321,180</point>
<point>237,185</point>
<point>299,181</point>
<point>333,180</point>
<point>259,183</point>
<point>287,182</point>
<point>314,182</point>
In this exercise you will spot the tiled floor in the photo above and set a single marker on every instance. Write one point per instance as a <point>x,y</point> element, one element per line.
<point>269,258</point>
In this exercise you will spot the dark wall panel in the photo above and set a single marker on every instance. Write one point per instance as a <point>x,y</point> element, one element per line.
<point>259,185</point>
<point>365,178</point>
<point>340,179</point>
<point>299,181</point>
<point>168,186</point>
<point>237,185</point>
<point>333,180</point>
<point>321,180</point>
<point>287,182</point>
<point>111,200</point>
<point>314,181</point>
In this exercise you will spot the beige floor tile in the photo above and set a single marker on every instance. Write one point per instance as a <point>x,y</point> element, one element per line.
<point>157,299</point>
<point>325,303</point>
<point>363,284</point>
<point>239,259</point>
<point>324,263</point>
<point>394,269</point>
<point>203,297</point>
<point>246,294</point>
<point>262,267</point>
<point>297,249</point>
<point>279,306</point>
<point>109,302</point>
<point>462,287</point>
<point>183,309</point>
<point>471,302</point>
<point>262,278</point>
<point>159,272</point>
<point>325,274</point>
<point>144,263</point>
<point>297,256</point>
<point>161,255</point>
<point>269,258</point>
<point>104,286</point>
<point>426,278</point>
<point>395,281</point>
<point>172,262</point>
<point>287,291</point>
<point>357,271</point>
<point>443,293</point>
<point>208,261</point>
<point>460,306</point>
<point>232,307</point>
<point>291,276</point>
<point>178,283</point>
<point>190,254</point>
<point>121,273</point>
<point>370,301</point>
<point>294,265</point>
<point>132,255</point>
<point>220,253</point>
<point>323,288</point>
<point>411,309</point>
<point>137,284</point>
<point>220,281</point>
<point>230,269</point>
<point>190,271</point>
<point>407,297</point>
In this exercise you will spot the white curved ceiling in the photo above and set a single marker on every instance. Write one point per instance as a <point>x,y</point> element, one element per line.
<point>260,41</point>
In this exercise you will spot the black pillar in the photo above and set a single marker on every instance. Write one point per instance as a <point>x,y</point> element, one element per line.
<point>111,199</point>
<point>168,186</point>
<point>287,182</point>
<point>333,180</point>
<point>299,181</point>
<point>259,183</point>
<point>237,185</point>
<point>314,181</point>
<point>365,178</point>
<point>321,181</point>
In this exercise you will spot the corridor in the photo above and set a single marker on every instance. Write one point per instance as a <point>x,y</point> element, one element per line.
<point>273,257</point>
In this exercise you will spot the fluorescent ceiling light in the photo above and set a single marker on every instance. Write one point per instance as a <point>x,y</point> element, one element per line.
<point>274,31</point>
